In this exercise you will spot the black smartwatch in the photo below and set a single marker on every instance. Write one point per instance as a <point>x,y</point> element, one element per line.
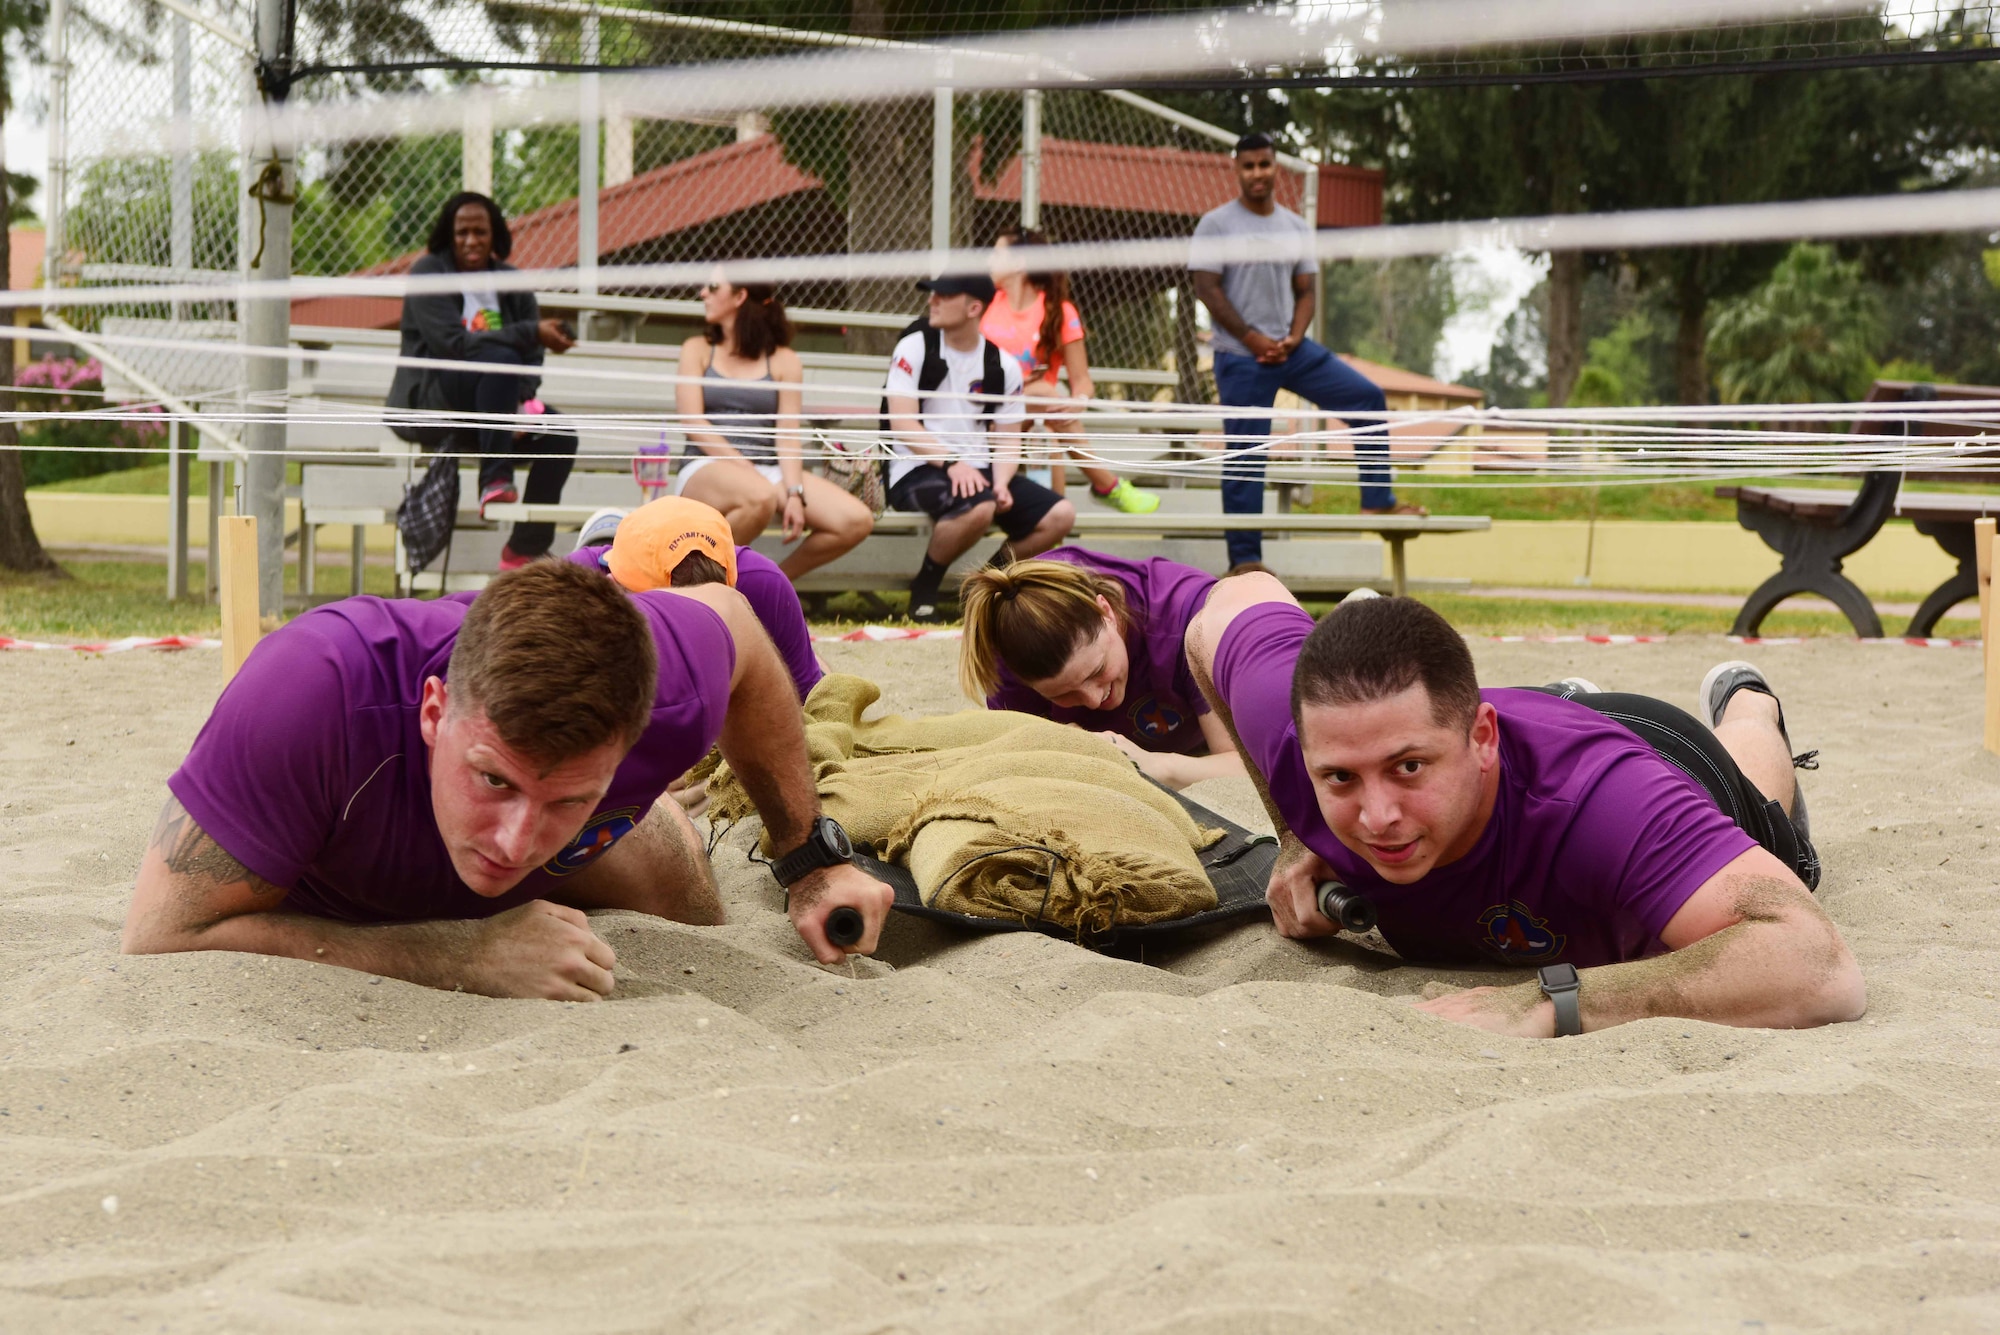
<point>1560,985</point>
<point>827,846</point>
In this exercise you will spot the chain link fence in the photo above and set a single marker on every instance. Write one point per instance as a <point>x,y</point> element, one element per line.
<point>118,217</point>
<point>1082,163</point>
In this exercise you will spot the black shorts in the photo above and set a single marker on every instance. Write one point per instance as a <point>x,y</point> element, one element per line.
<point>926,489</point>
<point>1684,743</point>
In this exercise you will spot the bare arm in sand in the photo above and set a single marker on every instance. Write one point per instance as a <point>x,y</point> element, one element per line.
<point>192,895</point>
<point>1177,771</point>
<point>764,741</point>
<point>1751,947</point>
<point>1293,889</point>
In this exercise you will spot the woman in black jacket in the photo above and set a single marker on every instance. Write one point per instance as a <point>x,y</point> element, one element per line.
<point>502,328</point>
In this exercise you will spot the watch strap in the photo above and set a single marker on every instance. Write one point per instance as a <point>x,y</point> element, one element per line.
<point>1560,986</point>
<point>807,857</point>
<point>821,849</point>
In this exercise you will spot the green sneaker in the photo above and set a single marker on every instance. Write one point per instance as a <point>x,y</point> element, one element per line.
<point>1129,498</point>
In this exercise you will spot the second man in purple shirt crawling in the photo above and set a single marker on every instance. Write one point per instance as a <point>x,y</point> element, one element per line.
<point>650,548</point>
<point>1561,828</point>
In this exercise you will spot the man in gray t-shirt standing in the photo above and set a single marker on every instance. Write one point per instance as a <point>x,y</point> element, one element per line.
<point>1261,310</point>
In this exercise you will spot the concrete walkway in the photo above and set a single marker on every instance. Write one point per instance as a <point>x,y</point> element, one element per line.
<point>1730,601</point>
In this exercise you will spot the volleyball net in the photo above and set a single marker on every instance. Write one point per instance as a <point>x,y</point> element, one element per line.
<point>199,168</point>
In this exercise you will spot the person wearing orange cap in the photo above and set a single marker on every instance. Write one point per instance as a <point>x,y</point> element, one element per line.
<point>678,543</point>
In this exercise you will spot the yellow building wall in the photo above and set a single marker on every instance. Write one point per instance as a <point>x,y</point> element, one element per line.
<point>1664,555</point>
<point>65,518</point>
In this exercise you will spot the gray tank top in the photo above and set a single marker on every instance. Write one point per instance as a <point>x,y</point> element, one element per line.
<point>743,412</point>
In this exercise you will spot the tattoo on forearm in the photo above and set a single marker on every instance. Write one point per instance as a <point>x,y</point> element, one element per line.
<point>188,851</point>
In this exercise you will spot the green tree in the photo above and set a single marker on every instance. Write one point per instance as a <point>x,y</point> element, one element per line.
<point>1457,152</point>
<point>1393,312</point>
<point>1948,316</point>
<point>1618,372</point>
<point>1807,335</point>
<point>1787,135</point>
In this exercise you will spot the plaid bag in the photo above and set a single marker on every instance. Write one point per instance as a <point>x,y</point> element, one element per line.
<point>857,472</point>
<point>428,513</point>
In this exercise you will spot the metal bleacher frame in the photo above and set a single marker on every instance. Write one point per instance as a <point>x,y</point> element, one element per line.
<point>354,472</point>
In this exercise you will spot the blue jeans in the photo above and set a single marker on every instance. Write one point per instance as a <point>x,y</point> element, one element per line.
<point>1321,379</point>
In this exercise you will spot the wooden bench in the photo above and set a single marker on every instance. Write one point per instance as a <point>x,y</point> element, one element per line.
<point>334,424</point>
<point>361,496</point>
<point>1315,563</point>
<point>1814,529</point>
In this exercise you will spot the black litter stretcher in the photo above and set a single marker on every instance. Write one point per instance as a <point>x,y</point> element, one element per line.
<point>1238,866</point>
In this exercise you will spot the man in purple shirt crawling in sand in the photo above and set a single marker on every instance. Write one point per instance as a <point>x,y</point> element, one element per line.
<point>436,791</point>
<point>1559,827</point>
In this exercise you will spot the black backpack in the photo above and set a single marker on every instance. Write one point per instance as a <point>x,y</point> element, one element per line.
<point>932,373</point>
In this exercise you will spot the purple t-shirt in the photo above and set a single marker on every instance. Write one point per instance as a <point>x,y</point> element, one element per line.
<point>1594,844</point>
<point>772,599</point>
<point>313,773</point>
<point>1163,707</point>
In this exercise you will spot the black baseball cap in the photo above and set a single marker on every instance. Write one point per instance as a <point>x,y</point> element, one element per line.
<point>975,285</point>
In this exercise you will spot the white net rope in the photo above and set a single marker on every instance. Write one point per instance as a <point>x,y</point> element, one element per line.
<point>815,171</point>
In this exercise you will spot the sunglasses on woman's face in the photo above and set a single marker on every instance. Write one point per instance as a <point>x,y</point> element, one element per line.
<point>713,285</point>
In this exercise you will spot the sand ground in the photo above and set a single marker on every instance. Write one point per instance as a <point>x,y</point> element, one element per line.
<point>1005,1133</point>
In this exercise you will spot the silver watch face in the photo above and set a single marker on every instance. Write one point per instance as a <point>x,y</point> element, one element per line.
<point>836,837</point>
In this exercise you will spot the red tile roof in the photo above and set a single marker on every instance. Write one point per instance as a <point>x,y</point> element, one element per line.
<point>1181,182</point>
<point>1394,380</point>
<point>738,177</point>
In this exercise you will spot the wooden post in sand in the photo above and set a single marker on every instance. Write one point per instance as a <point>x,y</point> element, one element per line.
<point>1982,547</point>
<point>1988,548</point>
<point>237,564</point>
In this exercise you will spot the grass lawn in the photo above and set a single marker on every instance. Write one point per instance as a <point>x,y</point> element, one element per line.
<point>103,599</point>
<point>106,599</point>
<point>1616,499</point>
<point>146,480</point>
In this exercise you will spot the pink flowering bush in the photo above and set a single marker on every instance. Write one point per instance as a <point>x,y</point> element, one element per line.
<point>60,448</point>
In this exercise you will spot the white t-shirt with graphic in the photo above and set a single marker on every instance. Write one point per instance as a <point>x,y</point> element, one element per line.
<point>480,309</point>
<point>954,420</point>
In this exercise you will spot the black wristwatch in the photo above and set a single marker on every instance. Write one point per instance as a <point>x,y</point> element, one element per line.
<point>827,846</point>
<point>1560,985</point>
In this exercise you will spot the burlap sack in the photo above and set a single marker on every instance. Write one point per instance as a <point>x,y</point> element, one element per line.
<point>999,814</point>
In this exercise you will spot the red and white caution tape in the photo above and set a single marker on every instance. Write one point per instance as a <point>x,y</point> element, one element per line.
<point>117,646</point>
<point>1577,639</point>
<point>1906,641</point>
<point>879,633</point>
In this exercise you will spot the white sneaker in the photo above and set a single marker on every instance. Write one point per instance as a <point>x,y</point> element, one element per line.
<point>600,528</point>
<point>1359,596</point>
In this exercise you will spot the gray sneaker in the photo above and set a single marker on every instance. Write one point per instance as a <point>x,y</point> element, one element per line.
<point>1725,680</point>
<point>1571,687</point>
<point>600,528</point>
